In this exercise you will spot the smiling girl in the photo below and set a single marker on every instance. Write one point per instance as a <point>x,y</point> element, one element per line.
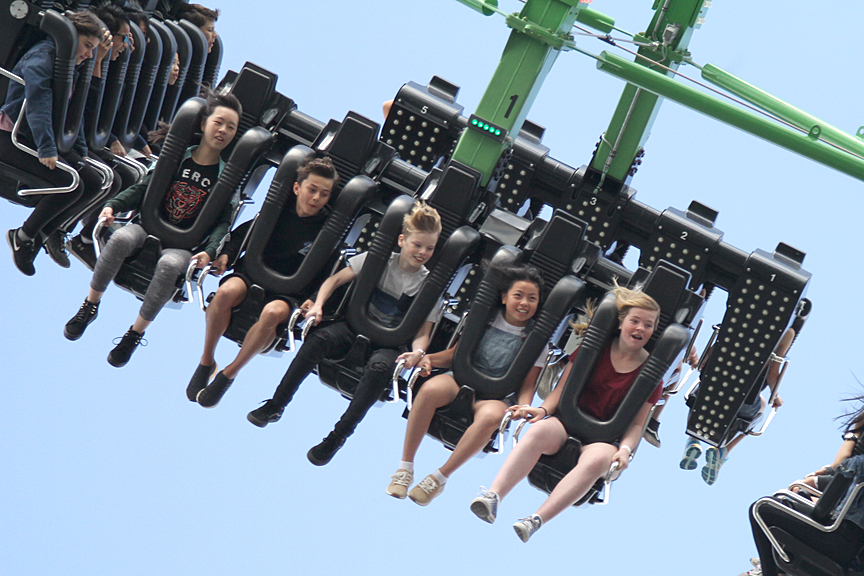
<point>520,297</point>
<point>616,371</point>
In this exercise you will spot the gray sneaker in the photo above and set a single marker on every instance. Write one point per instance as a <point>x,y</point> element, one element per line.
<point>527,526</point>
<point>485,506</point>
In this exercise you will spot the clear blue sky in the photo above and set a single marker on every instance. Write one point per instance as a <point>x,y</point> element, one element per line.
<point>106,471</point>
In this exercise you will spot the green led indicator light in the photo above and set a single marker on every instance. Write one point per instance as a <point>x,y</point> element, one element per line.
<point>497,132</point>
<point>474,122</point>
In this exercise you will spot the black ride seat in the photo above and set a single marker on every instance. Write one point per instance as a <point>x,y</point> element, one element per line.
<point>65,37</point>
<point>137,272</point>
<point>342,374</point>
<point>799,558</point>
<point>666,284</point>
<point>355,194</point>
<point>553,252</point>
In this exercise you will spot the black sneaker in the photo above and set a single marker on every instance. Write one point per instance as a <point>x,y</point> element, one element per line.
<point>269,412</point>
<point>23,252</point>
<point>322,453</point>
<point>210,396</point>
<point>76,326</point>
<point>83,251</point>
<point>199,381</point>
<point>55,246</point>
<point>119,356</point>
<point>652,433</point>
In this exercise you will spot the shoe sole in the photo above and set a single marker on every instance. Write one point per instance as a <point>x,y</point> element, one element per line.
<point>260,423</point>
<point>115,363</point>
<point>651,439</point>
<point>396,495</point>
<point>418,502</point>
<point>690,456</point>
<point>11,244</point>
<point>482,511</point>
<point>712,466</point>
<point>522,532</point>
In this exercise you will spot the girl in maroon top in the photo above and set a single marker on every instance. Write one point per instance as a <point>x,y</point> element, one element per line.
<point>617,369</point>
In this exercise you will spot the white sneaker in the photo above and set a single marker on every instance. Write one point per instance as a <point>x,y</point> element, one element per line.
<point>400,481</point>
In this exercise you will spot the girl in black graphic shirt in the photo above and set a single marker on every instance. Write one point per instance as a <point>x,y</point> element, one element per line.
<point>198,171</point>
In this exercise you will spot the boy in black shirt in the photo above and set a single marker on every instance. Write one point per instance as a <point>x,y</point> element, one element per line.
<point>296,229</point>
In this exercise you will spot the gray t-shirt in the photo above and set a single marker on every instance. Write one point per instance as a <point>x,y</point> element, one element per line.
<point>394,292</point>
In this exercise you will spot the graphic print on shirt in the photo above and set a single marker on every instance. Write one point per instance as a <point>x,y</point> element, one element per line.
<point>187,193</point>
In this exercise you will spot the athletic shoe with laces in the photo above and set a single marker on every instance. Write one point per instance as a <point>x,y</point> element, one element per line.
<point>83,251</point>
<point>83,318</point>
<point>691,453</point>
<point>399,483</point>
<point>55,246</point>
<point>199,380</point>
<point>527,526</point>
<point>210,396</point>
<point>322,453</point>
<point>119,356</point>
<point>652,433</point>
<point>23,252</point>
<point>485,505</point>
<point>427,490</point>
<point>714,459</point>
<point>268,413</point>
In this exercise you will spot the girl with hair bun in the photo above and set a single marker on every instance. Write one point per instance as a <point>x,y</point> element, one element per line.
<point>401,281</point>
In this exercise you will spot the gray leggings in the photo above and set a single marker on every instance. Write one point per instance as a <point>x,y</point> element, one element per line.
<point>122,244</point>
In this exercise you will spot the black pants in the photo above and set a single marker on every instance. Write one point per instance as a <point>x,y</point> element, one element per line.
<point>50,206</point>
<point>334,341</point>
<point>842,545</point>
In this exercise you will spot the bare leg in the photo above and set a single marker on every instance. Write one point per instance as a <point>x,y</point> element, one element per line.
<point>436,392</point>
<point>93,296</point>
<point>259,336</point>
<point>228,296</point>
<point>141,324</point>
<point>487,419</point>
<point>544,437</point>
<point>594,461</point>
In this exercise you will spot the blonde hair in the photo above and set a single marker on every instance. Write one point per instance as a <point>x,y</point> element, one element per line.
<point>422,218</point>
<point>625,299</point>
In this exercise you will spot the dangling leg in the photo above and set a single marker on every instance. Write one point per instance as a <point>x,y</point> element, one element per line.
<point>435,393</point>
<point>487,418</point>
<point>375,378</point>
<point>171,265</point>
<point>257,338</point>
<point>594,462</point>
<point>327,342</point>
<point>122,244</point>
<point>260,335</point>
<point>218,316</point>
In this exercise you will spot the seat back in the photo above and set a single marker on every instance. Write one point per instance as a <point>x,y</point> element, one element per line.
<point>213,63</point>
<point>149,70</point>
<point>184,51</point>
<point>162,75</point>
<point>124,127</point>
<point>195,71</point>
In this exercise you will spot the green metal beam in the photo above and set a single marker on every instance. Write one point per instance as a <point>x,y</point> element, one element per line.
<point>540,32</point>
<point>781,109</point>
<point>806,145</point>
<point>668,34</point>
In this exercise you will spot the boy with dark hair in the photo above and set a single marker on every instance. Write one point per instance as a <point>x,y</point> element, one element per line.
<point>292,237</point>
